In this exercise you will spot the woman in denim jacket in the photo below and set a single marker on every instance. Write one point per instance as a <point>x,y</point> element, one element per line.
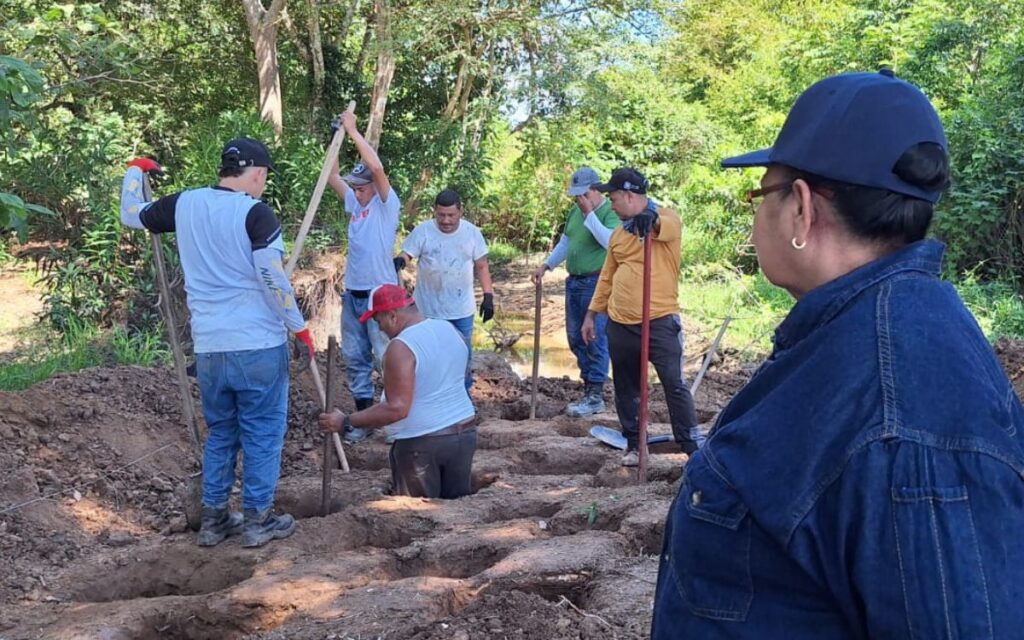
<point>868,482</point>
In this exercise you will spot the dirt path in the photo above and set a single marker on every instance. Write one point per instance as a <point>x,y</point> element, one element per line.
<point>21,304</point>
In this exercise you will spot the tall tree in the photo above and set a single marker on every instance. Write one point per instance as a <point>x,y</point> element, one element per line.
<point>316,54</point>
<point>263,24</point>
<point>384,73</point>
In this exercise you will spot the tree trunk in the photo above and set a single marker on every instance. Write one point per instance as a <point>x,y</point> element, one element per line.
<point>316,54</point>
<point>363,48</point>
<point>346,24</point>
<point>384,73</point>
<point>263,25</point>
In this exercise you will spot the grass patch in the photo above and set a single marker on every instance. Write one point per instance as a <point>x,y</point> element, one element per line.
<point>997,306</point>
<point>710,292</point>
<point>499,253</point>
<point>80,347</point>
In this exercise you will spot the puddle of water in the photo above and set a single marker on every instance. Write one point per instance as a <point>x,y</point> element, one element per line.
<point>556,358</point>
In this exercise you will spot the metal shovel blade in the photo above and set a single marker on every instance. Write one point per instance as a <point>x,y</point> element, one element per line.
<point>615,439</point>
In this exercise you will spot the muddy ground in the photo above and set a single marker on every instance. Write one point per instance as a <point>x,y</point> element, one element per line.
<point>558,541</point>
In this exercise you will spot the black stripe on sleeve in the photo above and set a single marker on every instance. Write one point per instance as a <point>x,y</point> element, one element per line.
<point>158,217</point>
<point>262,226</point>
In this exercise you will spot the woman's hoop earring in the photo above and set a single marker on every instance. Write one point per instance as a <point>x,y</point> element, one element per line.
<point>798,245</point>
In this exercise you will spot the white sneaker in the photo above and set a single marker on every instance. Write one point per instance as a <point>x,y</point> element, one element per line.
<point>631,459</point>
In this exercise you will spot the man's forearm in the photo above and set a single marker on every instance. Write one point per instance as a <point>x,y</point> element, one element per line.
<point>366,152</point>
<point>379,415</point>
<point>483,273</point>
<point>133,201</point>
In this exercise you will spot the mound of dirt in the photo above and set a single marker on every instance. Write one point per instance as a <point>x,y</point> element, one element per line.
<point>1011,355</point>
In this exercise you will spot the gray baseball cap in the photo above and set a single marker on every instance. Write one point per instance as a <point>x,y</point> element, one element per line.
<point>582,180</point>
<point>359,175</point>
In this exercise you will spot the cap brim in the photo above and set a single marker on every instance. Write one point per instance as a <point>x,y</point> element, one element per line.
<point>578,191</point>
<point>760,158</point>
<point>366,316</point>
<point>603,187</point>
<point>354,181</point>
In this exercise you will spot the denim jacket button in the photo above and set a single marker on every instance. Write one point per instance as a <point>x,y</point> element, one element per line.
<point>695,498</point>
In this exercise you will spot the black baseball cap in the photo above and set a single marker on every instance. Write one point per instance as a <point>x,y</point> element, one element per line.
<point>853,128</point>
<point>624,179</point>
<point>245,152</point>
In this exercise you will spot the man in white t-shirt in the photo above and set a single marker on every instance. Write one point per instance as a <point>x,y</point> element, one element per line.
<point>449,250</point>
<point>424,410</point>
<point>373,208</point>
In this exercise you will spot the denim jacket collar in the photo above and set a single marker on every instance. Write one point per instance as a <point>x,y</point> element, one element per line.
<point>822,304</point>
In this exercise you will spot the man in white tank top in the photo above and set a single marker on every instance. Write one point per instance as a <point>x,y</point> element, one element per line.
<point>425,409</point>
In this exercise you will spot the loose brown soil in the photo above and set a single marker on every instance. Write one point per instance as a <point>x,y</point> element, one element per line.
<point>558,541</point>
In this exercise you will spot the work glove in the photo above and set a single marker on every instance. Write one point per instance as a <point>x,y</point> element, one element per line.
<point>148,165</point>
<point>400,262</point>
<point>303,339</point>
<point>487,307</point>
<point>642,224</point>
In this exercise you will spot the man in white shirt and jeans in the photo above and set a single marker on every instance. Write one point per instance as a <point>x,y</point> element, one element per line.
<point>373,208</point>
<point>449,250</point>
<point>425,410</point>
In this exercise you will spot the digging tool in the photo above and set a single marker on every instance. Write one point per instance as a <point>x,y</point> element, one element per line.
<point>711,354</point>
<point>536,352</point>
<point>325,487</point>
<point>321,394</point>
<point>318,192</point>
<point>307,222</point>
<point>614,437</point>
<point>193,499</point>
<point>645,336</point>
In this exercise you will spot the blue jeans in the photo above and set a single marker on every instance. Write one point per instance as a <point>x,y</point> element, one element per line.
<point>465,327</point>
<point>245,402</point>
<point>593,358</point>
<point>360,345</point>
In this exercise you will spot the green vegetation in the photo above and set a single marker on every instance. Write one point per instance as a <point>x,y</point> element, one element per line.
<point>78,346</point>
<point>499,101</point>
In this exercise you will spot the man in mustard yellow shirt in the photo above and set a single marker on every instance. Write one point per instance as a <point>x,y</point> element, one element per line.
<point>619,293</point>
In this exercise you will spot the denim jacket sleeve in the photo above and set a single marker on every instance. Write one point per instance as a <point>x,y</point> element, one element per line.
<point>921,539</point>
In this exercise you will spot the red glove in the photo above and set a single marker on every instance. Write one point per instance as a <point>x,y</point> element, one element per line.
<point>304,337</point>
<point>148,165</point>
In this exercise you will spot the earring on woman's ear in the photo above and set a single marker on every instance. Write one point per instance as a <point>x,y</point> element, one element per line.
<point>798,245</point>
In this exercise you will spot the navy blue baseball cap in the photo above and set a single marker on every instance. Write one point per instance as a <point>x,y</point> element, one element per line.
<point>852,128</point>
<point>624,179</point>
<point>245,152</point>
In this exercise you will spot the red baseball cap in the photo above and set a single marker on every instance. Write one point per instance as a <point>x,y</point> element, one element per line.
<point>386,297</point>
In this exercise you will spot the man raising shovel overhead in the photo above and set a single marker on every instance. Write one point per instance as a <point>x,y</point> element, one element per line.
<point>242,309</point>
<point>619,293</point>
<point>373,209</point>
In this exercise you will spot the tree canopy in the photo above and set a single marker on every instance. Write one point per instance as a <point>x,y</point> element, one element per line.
<point>500,99</point>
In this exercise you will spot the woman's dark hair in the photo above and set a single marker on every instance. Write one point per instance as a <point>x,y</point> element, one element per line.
<point>886,216</point>
<point>230,172</point>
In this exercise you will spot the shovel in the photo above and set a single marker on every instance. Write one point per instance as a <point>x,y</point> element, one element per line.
<point>645,337</point>
<point>194,485</point>
<point>536,352</point>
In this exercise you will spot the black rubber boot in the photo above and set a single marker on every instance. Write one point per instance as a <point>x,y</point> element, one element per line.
<point>355,434</point>
<point>261,527</point>
<point>218,524</point>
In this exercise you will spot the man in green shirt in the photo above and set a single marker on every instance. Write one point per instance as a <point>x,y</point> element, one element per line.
<point>583,246</point>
